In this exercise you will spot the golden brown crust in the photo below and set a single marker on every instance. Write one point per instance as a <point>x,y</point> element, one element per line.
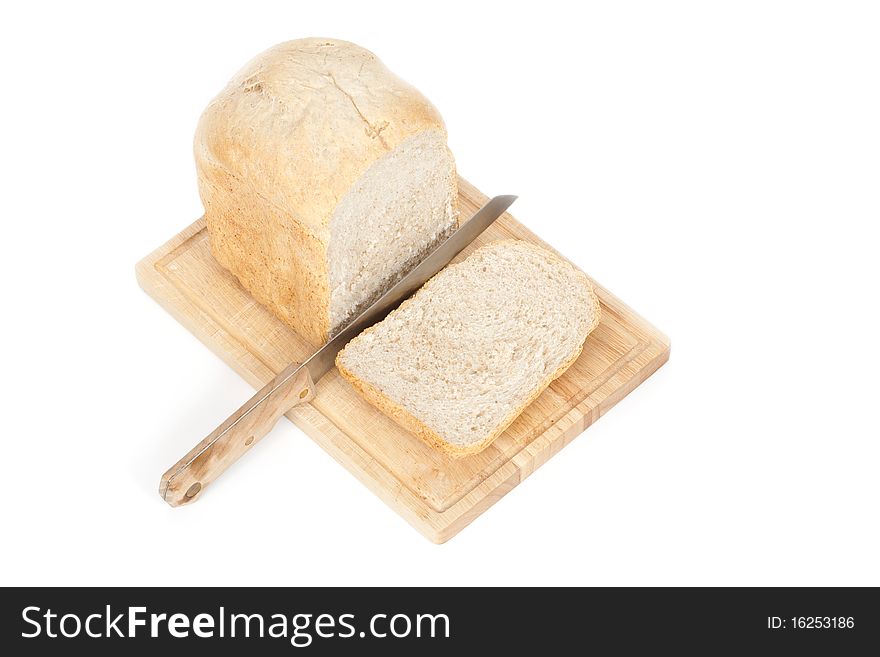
<point>405,419</point>
<point>278,149</point>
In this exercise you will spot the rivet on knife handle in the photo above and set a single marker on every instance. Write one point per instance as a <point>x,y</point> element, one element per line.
<point>186,479</point>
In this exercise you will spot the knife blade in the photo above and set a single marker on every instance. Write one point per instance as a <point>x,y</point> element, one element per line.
<point>183,482</point>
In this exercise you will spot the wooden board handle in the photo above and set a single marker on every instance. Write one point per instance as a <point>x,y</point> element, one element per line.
<point>185,480</point>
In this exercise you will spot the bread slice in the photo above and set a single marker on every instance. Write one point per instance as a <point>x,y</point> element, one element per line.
<point>460,360</point>
<point>325,178</point>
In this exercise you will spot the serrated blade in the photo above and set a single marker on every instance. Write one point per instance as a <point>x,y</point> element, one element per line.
<point>322,361</point>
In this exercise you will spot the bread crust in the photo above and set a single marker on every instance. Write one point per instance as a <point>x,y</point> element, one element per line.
<point>411,423</point>
<point>278,149</point>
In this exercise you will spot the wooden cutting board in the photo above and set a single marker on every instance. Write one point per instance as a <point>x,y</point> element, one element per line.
<point>437,494</point>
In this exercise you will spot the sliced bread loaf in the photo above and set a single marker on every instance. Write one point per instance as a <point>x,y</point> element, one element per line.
<point>325,178</point>
<point>460,360</point>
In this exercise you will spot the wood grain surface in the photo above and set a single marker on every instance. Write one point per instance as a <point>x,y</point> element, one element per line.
<point>435,493</point>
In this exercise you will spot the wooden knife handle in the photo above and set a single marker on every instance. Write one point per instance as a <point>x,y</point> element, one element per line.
<point>185,480</point>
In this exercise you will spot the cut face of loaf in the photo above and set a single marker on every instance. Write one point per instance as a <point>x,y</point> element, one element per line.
<point>460,360</point>
<point>399,210</point>
<point>324,178</point>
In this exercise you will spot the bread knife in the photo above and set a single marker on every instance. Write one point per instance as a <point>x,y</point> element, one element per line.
<point>185,480</point>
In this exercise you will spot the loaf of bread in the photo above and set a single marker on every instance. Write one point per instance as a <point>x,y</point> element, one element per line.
<point>324,179</point>
<point>460,360</point>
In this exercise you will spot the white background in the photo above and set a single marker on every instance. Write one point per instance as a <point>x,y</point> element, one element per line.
<point>716,165</point>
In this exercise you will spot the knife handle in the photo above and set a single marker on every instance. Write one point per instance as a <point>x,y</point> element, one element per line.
<point>185,480</point>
